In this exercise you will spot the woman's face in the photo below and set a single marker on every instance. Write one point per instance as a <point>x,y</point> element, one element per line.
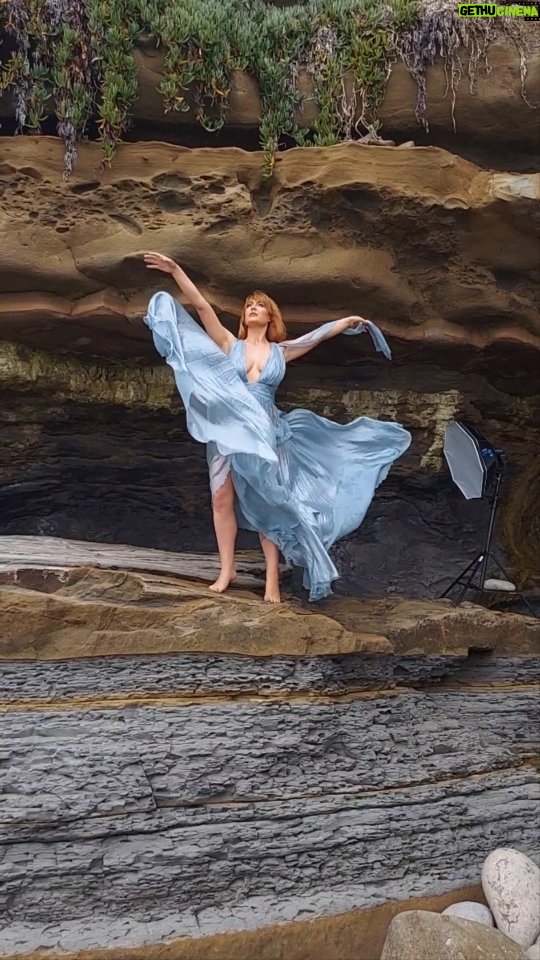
<point>256,314</point>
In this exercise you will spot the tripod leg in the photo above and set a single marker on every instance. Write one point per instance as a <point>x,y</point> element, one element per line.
<point>517,593</point>
<point>467,585</point>
<point>463,573</point>
<point>501,568</point>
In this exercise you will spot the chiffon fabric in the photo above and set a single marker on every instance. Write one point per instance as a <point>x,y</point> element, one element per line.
<point>301,480</point>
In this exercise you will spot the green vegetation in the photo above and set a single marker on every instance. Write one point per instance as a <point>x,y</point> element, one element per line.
<point>75,58</point>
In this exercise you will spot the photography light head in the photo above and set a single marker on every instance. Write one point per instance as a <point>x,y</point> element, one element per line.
<point>472,460</point>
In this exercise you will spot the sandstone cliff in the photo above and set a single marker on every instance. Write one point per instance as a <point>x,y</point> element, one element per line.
<point>443,254</point>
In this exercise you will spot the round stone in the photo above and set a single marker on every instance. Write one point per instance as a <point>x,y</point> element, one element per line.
<point>470,910</point>
<point>511,883</point>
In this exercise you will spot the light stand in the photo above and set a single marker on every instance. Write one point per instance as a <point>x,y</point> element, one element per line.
<point>466,579</point>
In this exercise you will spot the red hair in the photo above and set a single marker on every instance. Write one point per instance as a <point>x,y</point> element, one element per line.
<point>276,331</point>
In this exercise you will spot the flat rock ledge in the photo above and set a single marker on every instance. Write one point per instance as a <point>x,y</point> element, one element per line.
<point>62,599</point>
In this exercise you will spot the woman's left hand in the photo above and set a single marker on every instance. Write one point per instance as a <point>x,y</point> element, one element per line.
<point>354,321</point>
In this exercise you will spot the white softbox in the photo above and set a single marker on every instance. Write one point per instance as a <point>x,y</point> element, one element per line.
<point>470,458</point>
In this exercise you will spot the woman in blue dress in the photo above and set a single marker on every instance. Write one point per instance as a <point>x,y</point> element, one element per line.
<point>299,480</point>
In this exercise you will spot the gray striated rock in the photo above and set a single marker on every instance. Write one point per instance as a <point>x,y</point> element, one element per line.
<point>488,669</point>
<point>420,935</point>
<point>190,674</point>
<point>210,816</point>
<point>144,798</point>
<point>199,674</point>
<point>208,869</point>
<point>78,764</point>
<point>511,883</point>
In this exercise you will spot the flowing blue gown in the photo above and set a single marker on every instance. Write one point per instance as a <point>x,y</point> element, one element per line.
<point>301,480</point>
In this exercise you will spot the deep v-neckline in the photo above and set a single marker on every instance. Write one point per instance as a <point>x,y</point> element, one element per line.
<point>264,366</point>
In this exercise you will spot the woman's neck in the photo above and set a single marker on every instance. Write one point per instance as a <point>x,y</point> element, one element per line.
<point>256,338</point>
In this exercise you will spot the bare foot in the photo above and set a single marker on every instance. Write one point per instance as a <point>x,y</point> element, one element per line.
<point>271,593</point>
<point>223,582</point>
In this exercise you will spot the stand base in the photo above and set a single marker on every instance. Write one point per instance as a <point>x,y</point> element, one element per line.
<point>466,578</point>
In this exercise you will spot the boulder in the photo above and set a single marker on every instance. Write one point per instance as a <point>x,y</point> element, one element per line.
<point>420,935</point>
<point>511,883</point>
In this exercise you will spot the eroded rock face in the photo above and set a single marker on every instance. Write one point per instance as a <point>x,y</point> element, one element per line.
<point>100,452</point>
<point>434,248</point>
<point>222,765</point>
<point>442,253</point>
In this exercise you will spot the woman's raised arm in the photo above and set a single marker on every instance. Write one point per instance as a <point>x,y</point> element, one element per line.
<point>214,328</point>
<point>292,349</point>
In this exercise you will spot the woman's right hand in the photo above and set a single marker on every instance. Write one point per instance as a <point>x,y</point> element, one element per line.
<point>158,261</point>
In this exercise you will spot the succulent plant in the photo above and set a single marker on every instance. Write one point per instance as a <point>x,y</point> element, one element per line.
<point>75,59</point>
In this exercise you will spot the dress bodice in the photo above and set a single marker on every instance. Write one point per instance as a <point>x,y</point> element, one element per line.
<point>272,373</point>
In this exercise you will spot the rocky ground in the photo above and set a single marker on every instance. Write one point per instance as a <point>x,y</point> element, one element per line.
<point>223,765</point>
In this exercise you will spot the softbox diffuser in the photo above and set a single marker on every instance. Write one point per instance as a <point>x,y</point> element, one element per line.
<point>470,458</point>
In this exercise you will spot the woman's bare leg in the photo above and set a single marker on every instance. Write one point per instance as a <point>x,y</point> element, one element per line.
<point>226,529</point>
<point>271,555</point>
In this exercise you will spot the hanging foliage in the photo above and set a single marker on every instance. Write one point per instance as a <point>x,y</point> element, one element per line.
<point>74,59</point>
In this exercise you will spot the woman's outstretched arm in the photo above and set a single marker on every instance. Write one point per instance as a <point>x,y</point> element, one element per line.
<point>292,349</point>
<point>214,328</point>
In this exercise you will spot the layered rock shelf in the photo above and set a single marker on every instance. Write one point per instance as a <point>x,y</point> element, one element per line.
<point>327,235</point>
<point>180,765</point>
